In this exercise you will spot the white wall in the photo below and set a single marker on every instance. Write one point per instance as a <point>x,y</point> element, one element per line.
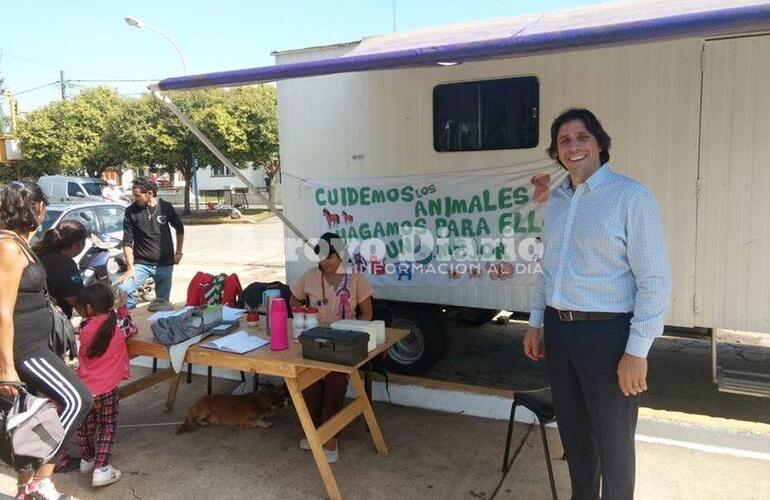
<point>208,181</point>
<point>733,273</point>
<point>380,123</point>
<point>127,178</point>
<point>128,175</point>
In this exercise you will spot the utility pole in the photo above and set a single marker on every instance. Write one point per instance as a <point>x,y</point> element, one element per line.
<point>394,16</point>
<point>61,84</point>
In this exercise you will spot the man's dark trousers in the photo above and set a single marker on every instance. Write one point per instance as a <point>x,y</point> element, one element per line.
<point>596,421</point>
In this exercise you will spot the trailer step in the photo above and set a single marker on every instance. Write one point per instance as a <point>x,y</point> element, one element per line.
<point>735,355</point>
<point>747,383</point>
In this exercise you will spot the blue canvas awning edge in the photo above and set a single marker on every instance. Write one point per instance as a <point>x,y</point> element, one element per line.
<point>743,19</point>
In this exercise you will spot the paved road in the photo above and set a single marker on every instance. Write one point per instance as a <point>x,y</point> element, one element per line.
<point>253,251</point>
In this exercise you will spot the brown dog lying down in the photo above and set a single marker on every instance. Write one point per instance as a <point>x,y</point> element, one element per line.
<point>244,411</point>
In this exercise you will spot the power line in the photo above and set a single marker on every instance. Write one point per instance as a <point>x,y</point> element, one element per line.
<point>72,84</point>
<point>59,66</point>
<point>35,88</point>
<point>127,80</point>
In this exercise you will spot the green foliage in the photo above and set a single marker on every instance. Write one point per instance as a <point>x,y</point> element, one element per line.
<point>5,122</point>
<point>242,122</point>
<point>98,130</point>
<point>69,136</point>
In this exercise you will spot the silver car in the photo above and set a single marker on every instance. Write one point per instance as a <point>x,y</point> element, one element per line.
<point>97,217</point>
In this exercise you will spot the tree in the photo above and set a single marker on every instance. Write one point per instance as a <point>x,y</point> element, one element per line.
<point>148,134</point>
<point>242,122</point>
<point>255,112</point>
<point>98,130</point>
<point>69,136</point>
<point>41,141</point>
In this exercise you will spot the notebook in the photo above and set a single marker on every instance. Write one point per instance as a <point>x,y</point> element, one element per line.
<point>238,343</point>
<point>230,314</point>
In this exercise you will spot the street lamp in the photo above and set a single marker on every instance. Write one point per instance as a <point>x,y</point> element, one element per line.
<point>136,23</point>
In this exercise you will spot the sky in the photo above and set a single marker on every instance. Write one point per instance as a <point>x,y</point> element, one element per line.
<point>89,40</point>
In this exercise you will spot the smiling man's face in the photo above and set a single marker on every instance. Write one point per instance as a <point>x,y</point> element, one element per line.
<point>578,149</point>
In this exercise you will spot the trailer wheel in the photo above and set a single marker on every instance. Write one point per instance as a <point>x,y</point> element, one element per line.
<point>425,345</point>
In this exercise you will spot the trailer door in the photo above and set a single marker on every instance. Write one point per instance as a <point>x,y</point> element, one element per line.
<point>732,282</point>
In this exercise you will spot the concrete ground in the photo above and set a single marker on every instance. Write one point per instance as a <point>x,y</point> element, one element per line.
<point>432,455</point>
<point>253,251</point>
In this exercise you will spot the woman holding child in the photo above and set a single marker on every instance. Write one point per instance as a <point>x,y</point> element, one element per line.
<point>338,293</point>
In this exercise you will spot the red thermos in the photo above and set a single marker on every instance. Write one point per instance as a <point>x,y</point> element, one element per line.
<point>279,338</point>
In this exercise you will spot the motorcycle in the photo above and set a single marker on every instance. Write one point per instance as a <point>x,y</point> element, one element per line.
<point>104,261</point>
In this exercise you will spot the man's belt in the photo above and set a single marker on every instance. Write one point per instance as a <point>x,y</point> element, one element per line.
<point>587,315</point>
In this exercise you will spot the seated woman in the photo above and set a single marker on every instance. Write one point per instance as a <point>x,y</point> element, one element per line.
<point>337,292</point>
<point>57,251</point>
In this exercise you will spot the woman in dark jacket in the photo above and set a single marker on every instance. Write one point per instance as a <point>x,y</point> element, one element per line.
<point>25,327</point>
<point>57,251</point>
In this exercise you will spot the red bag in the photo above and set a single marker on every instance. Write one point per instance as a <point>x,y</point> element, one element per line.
<point>231,293</point>
<point>126,322</point>
<point>196,290</point>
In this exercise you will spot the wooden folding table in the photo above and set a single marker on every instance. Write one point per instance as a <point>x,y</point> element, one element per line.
<point>299,373</point>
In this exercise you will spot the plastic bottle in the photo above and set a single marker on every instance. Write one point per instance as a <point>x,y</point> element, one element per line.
<point>279,340</point>
<point>311,318</point>
<point>380,327</point>
<point>297,322</point>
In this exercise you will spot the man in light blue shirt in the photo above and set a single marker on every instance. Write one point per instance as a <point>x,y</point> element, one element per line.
<point>599,304</point>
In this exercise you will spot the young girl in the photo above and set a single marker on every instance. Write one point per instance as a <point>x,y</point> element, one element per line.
<point>103,364</point>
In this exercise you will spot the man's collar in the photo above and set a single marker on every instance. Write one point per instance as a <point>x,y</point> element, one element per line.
<point>601,175</point>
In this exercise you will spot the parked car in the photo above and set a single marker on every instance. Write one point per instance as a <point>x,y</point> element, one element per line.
<point>98,217</point>
<point>71,188</point>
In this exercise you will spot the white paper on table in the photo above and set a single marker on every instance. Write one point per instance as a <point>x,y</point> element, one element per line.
<point>230,314</point>
<point>238,343</point>
<point>166,314</point>
<point>176,352</point>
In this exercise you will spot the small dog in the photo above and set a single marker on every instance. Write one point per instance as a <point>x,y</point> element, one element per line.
<point>244,411</point>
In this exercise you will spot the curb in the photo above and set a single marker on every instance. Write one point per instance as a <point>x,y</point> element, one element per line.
<point>698,432</point>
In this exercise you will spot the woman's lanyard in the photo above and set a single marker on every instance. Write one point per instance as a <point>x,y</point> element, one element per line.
<point>324,300</point>
<point>342,301</point>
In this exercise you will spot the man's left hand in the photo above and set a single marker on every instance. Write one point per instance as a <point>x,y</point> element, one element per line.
<point>177,257</point>
<point>632,375</point>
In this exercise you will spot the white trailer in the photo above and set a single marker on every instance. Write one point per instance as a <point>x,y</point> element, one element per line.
<point>683,88</point>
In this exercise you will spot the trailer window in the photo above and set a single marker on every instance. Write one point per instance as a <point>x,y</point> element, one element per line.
<point>489,114</point>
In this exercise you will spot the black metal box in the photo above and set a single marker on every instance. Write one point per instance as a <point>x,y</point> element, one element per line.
<point>343,347</point>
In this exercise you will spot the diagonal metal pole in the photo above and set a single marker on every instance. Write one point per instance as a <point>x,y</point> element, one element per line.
<point>168,103</point>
